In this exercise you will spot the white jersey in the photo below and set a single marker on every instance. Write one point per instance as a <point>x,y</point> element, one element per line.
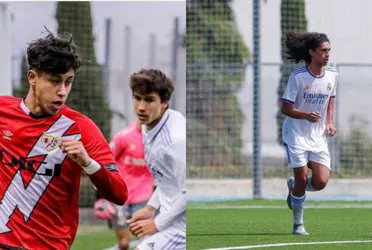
<point>165,152</point>
<point>308,94</point>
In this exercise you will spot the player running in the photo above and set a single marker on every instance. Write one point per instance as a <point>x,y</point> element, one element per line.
<point>308,103</point>
<point>44,147</point>
<point>164,132</point>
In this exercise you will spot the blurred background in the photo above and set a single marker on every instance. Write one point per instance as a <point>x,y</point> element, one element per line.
<point>114,39</point>
<point>223,105</point>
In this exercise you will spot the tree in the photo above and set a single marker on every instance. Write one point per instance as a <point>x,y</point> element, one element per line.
<point>87,94</point>
<point>216,59</point>
<point>22,90</point>
<point>292,18</point>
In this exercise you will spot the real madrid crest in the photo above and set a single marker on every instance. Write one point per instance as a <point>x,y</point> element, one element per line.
<point>50,142</point>
<point>329,86</point>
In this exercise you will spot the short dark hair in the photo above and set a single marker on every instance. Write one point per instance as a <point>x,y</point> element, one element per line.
<point>298,45</point>
<point>147,81</point>
<point>53,55</point>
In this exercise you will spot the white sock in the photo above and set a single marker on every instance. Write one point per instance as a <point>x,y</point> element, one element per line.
<point>309,187</point>
<point>298,209</point>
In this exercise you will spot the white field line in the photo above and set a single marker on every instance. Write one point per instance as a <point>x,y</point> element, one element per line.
<point>324,206</point>
<point>293,244</point>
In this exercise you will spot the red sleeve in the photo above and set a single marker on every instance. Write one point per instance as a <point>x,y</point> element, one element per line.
<point>107,180</point>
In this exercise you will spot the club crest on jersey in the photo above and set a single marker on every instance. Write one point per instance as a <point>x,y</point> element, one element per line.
<point>307,87</point>
<point>329,86</point>
<point>50,142</point>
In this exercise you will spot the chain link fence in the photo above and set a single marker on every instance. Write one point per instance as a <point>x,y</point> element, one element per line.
<point>220,97</point>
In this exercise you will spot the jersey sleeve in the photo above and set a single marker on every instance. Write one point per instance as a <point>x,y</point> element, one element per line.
<point>96,145</point>
<point>291,91</point>
<point>107,179</point>
<point>154,200</point>
<point>174,158</point>
<point>334,90</point>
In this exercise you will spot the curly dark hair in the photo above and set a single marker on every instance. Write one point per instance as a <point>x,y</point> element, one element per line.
<point>53,55</point>
<point>298,45</point>
<point>147,81</point>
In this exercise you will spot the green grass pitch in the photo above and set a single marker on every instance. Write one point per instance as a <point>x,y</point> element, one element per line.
<point>244,224</point>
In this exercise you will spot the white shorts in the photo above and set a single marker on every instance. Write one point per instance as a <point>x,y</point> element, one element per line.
<point>299,158</point>
<point>169,239</point>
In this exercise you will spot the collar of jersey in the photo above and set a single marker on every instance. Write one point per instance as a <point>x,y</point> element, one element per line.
<point>28,112</point>
<point>155,130</point>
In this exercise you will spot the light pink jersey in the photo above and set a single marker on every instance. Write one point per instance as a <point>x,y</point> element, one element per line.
<point>127,147</point>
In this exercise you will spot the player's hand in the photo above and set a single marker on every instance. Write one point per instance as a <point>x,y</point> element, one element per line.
<point>142,214</point>
<point>313,117</point>
<point>104,209</point>
<point>330,130</point>
<point>143,228</point>
<point>75,151</point>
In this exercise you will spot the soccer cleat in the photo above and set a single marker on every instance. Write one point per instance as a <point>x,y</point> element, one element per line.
<point>299,230</point>
<point>290,183</point>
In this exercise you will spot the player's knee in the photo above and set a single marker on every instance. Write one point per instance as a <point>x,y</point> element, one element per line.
<point>319,183</point>
<point>123,244</point>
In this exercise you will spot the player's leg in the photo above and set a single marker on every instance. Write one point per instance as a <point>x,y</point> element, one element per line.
<point>123,236</point>
<point>298,197</point>
<point>121,227</point>
<point>320,165</point>
<point>169,239</point>
<point>296,187</point>
<point>297,160</point>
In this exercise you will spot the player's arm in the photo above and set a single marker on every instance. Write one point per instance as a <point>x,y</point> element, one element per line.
<point>108,182</point>
<point>330,128</point>
<point>103,171</point>
<point>175,159</point>
<point>289,110</point>
<point>331,103</point>
<point>118,148</point>
<point>149,210</point>
<point>163,220</point>
<point>330,110</point>
<point>289,98</point>
<point>154,202</point>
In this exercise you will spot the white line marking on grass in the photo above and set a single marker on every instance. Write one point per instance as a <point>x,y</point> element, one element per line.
<point>292,244</point>
<point>132,244</point>
<point>282,207</point>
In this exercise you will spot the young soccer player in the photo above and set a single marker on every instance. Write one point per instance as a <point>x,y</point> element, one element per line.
<point>164,132</point>
<point>128,149</point>
<point>44,147</point>
<point>308,103</point>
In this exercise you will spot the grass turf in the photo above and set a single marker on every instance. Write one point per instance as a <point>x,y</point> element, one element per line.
<point>270,222</point>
